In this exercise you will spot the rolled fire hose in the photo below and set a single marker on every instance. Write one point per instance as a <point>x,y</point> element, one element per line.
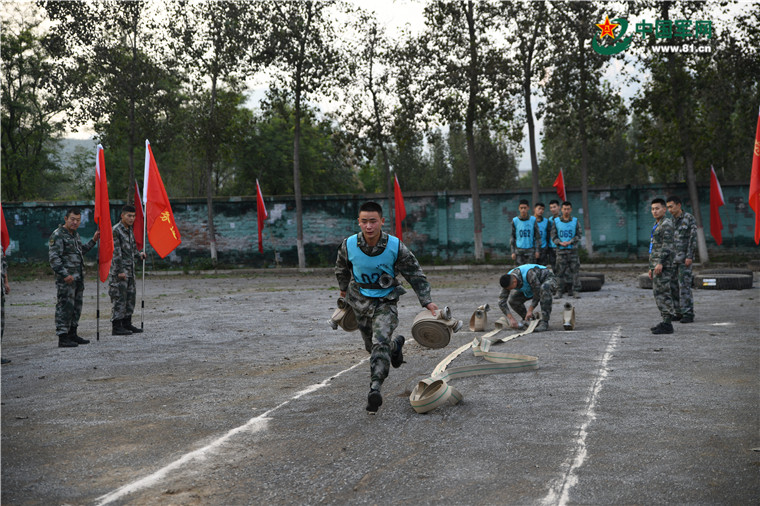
<point>435,390</point>
<point>434,331</point>
<point>479,318</point>
<point>568,317</point>
<point>343,317</point>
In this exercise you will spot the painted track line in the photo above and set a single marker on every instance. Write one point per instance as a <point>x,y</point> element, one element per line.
<point>560,492</point>
<point>253,426</point>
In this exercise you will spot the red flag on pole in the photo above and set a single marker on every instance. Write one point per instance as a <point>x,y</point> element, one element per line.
<point>103,216</point>
<point>5,238</point>
<point>559,184</point>
<point>261,214</point>
<point>139,227</point>
<point>163,233</point>
<point>716,200</point>
<point>398,201</point>
<point>754,182</point>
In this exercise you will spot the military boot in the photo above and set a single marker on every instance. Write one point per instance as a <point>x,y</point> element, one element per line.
<point>76,338</point>
<point>374,401</point>
<point>542,326</point>
<point>397,355</point>
<point>127,324</point>
<point>663,328</point>
<point>65,342</point>
<point>118,329</point>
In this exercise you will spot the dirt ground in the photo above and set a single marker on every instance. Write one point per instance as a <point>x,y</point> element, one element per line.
<point>239,392</point>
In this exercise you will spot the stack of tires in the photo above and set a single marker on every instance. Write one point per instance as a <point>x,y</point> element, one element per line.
<point>712,279</point>
<point>591,281</point>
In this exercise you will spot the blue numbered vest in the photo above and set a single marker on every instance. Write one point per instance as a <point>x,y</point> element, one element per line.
<point>367,270</point>
<point>543,227</point>
<point>524,232</point>
<point>565,230</point>
<point>525,288</point>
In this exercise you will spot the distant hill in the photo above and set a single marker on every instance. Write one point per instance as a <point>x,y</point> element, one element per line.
<point>69,147</point>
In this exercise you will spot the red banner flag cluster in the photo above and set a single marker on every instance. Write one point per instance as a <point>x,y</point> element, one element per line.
<point>754,182</point>
<point>261,214</point>
<point>5,238</point>
<point>103,216</point>
<point>559,184</point>
<point>398,201</point>
<point>716,200</point>
<point>139,227</point>
<point>163,233</point>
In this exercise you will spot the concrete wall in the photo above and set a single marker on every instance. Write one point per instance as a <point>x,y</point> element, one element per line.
<point>438,227</point>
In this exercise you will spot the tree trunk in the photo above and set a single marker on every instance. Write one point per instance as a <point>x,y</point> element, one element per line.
<point>584,150</point>
<point>132,141</point>
<point>469,132</point>
<point>379,135</point>
<point>210,154</point>
<point>531,137</point>
<point>297,171</point>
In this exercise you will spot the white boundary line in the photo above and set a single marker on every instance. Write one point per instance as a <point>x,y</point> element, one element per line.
<point>252,426</point>
<point>560,492</point>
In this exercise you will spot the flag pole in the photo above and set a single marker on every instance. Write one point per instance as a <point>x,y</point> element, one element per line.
<point>97,299</point>
<point>145,246</point>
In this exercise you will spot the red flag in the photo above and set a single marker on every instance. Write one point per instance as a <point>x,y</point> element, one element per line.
<point>163,233</point>
<point>5,238</point>
<point>261,214</point>
<point>754,183</point>
<point>559,184</point>
<point>139,227</point>
<point>103,216</point>
<point>716,200</point>
<point>398,201</point>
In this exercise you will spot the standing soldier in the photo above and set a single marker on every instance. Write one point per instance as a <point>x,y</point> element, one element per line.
<point>661,266</point>
<point>528,282</point>
<point>684,246</point>
<point>366,269</point>
<point>525,236</point>
<point>66,255</point>
<point>4,289</point>
<point>566,234</point>
<point>543,229</point>
<point>552,251</point>
<point>121,283</point>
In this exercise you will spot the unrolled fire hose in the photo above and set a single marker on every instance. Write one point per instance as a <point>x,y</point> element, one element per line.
<point>435,391</point>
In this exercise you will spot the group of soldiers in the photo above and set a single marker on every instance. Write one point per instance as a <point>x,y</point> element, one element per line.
<point>66,255</point>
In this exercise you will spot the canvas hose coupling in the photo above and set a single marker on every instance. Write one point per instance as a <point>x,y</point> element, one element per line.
<point>568,317</point>
<point>343,317</point>
<point>435,331</point>
<point>479,318</point>
<point>435,390</point>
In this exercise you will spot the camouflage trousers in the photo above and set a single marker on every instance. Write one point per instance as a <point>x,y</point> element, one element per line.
<point>517,300</point>
<point>551,255</point>
<point>68,307</point>
<point>376,327</point>
<point>123,294</point>
<point>543,258</point>
<point>662,290</point>
<point>680,288</point>
<point>567,269</point>
<point>525,256</point>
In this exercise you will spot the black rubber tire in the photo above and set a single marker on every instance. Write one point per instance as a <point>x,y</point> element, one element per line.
<point>599,275</point>
<point>644,281</point>
<point>723,281</point>
<point>727,270</point>
<point>590,284</point>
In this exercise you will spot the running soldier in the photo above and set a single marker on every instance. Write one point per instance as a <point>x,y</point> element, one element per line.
<point>121,282</point>
<point>525,236</point>
<point>566,234</point>
<point>543,229</point>
<point>552,251</point>
<point>529,282</point>
<point>66,255</point>
<point>661,266</point>
<point>684,247</point>
<point>366,268</point>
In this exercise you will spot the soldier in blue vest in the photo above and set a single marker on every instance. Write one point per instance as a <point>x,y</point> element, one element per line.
<point>366,268</point>
<point>552,251</point>
<point>528,282</point>
<point>543,229</point>
<point>566,234</point>
<point>525,236</point>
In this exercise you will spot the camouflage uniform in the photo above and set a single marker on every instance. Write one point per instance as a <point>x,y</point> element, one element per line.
<point>2,294</point>
<point>123,291</point>
<point>66,255</point>
<point>378,317</point>
<point>551,251</point>
<point>568,264</point>
<point>661,252</point>
<point>543,251</point>
<point>525,255</point>
<point>684,246</point>
<point>543,284</point>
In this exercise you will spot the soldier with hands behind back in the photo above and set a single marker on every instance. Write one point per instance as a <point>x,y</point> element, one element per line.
<point>121,280</point>
<point>684,247</point>
<point>661,266</point>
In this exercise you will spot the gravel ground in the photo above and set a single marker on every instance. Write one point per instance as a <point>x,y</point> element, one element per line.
<point>614,414</point>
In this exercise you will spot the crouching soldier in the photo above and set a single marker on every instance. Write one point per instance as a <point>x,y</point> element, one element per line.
<point>529,282</point>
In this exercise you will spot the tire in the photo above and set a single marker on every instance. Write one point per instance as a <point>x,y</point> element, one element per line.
<point>599,275</point>
<point>590,284</point>
<point>644,281</point>
<point>723,281</point>
<point>740,272</point>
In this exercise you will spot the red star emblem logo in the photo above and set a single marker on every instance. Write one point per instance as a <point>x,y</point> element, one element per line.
<point>607,28</point>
